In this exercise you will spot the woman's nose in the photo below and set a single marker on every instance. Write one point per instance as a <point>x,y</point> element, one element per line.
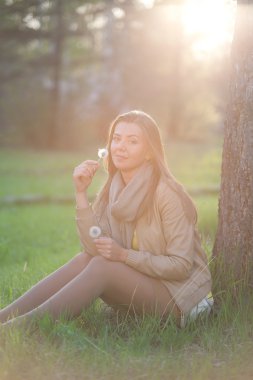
<point>122,145</point>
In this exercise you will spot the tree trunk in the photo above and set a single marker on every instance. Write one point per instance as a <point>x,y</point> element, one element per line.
<point>234,238</point>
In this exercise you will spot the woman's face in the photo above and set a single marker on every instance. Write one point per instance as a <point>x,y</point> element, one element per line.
<point>129,147</point>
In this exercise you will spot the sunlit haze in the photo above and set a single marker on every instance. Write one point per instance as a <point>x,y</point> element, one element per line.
<point>211,22</point>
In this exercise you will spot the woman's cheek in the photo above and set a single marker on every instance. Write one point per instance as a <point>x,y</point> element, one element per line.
<point>112,148</point>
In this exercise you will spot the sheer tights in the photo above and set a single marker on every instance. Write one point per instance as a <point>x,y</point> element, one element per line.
<point>75,285</point>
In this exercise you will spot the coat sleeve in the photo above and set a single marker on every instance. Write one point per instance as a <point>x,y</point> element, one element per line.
<point>85,219</point>
<point>177,260</point>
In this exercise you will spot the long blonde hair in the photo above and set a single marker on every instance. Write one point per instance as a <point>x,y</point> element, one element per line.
<point>153,137</point>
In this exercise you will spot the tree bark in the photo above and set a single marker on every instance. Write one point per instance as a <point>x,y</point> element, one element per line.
<point>234,238</point>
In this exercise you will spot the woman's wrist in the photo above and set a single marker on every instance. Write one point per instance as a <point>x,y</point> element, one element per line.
<point>124,254</point>
<point>83,191</point>
<point>81,199</point>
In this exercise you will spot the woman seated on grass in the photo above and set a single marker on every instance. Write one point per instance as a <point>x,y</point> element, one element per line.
<point>148,258</point>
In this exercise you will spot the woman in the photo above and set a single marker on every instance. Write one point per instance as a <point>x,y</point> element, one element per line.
<point>148,258</point>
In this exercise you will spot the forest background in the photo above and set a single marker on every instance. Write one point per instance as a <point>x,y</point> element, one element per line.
<point>67,68</point>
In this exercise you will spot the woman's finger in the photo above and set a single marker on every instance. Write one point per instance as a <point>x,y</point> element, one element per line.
<point>106,255</point>
<point>81,171</point>
<point>103,240</point>
<point>90,162</point>
<point>86,173</point>
<point>103,248</point>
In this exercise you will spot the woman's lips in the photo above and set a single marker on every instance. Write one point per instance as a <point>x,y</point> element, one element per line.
<point>119,157</point>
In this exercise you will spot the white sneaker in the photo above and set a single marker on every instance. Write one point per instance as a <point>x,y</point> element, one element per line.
<point>204,306</point>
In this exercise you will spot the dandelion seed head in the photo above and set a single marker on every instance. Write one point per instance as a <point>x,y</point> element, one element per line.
<point>102,152</point>
<point>95,231</point>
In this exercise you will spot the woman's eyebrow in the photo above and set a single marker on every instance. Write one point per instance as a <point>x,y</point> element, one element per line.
<point>118,134</point>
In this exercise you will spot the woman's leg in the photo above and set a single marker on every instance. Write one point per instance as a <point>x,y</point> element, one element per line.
<point>138,293</point>
<point>111,281</point>
<point>45,288</point>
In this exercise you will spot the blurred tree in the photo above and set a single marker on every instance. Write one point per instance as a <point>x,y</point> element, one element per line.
<point>175,85</point>
<point>58,40</point>
<point>68,67</point>
<point>234,240</point>
<point>33,34</point>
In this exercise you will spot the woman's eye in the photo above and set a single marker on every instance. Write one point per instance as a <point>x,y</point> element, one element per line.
<point>115,138</point>
<point>133,141</point>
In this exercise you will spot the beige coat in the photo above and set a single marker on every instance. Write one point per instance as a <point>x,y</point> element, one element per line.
<point>169,247</point>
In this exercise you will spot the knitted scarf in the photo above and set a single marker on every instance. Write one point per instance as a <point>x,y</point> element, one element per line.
<point>127,203</point>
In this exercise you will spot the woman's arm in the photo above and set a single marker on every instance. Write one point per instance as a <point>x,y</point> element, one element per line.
<point>85,219</point>
<point>81,200</point>
<point>82,178</point>
<point>177,260</point>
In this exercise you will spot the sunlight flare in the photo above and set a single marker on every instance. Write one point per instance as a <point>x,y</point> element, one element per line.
<point>210,22</point>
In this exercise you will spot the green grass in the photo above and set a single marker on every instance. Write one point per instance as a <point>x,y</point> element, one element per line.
<point>37,239</point>
<point>50,173</point>
<point>41,173</point>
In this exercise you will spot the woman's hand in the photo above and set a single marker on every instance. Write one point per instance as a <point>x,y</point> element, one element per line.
<point>109,249</point>
<point>83,175</point>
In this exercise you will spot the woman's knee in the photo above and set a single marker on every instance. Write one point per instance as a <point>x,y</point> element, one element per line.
<point>80,260</point>
<point>101,266</point>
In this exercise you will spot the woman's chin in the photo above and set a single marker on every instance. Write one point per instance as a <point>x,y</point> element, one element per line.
<point>121,167</point>
<point>119,164</point>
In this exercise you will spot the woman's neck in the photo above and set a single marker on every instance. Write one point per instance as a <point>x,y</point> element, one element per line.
<point>127,175</point>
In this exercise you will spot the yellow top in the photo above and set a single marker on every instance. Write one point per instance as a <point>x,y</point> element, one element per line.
<point>135,242</point>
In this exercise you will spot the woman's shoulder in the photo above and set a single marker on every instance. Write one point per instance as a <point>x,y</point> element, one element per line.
<point>165,194</point>
<point>164,188</point>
